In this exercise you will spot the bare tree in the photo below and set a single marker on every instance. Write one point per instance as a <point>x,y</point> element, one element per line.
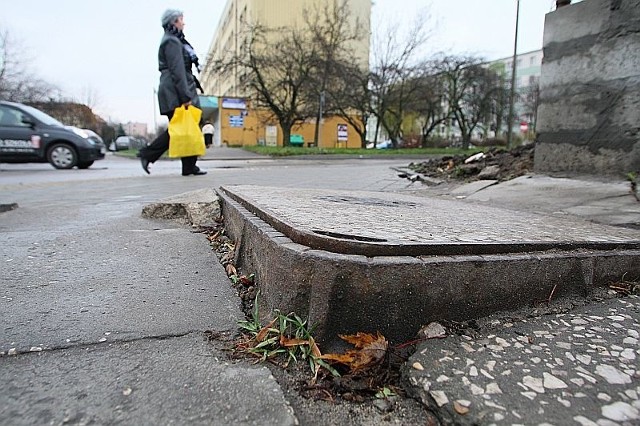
<point>430,102</point>
<point>349,97</point>
<point>530,99</point>
<point>394,72</point>
<point>17,82</point>
<point>90,97</point>
<point>275,67</point>
<point>333,34</point>
<point>471,91</point>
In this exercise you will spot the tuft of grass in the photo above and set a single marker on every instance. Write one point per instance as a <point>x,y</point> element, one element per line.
<point>385,393</point>
<point>286,335</point>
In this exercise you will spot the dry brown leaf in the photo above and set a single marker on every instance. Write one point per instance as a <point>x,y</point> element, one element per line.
<point>231,270</point>
<point>227,257</point>
<point>287,343</point>
<point>264,331</point>
<point>246,280</point>
<point>315,350</point>
<point>214,236</point>
<point>370,350</point>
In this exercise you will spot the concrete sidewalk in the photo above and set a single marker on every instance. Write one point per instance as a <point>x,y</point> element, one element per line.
<point>103,317</point>
<point>226,153</point>
<point>607,202</point>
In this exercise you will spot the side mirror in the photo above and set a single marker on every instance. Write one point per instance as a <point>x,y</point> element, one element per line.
<point>28,121</point>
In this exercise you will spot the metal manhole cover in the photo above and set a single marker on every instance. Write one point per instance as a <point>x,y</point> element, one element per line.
<point>365,201</point>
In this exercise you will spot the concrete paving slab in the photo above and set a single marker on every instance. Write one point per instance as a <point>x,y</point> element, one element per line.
<point>361,261</point>
<point>575,368</point>
<point>111,275</point>
<point>175,381</point>
<point>607,202</point>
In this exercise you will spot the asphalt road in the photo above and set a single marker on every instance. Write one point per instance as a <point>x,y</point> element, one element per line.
<point>102,313</point>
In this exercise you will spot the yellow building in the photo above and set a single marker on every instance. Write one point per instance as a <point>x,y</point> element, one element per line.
<point>228,106</point>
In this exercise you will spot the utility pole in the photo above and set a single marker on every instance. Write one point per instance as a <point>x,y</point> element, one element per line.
<point>512,94</point>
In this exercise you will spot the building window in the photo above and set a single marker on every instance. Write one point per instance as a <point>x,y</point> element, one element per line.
<point>532,61</point>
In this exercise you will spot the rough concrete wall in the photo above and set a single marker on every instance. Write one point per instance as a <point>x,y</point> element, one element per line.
<point>589,114</point>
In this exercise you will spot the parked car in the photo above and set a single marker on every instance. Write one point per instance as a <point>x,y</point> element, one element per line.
<point>28,135</point>
<point>123,142</point>
<point>381,145</point>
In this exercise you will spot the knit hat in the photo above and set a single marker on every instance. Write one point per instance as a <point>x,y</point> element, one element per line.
<point>169,17</point>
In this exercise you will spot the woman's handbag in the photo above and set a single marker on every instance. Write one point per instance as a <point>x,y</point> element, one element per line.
<point>185,137</point>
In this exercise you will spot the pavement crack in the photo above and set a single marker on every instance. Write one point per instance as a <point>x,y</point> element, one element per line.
<point>38,349</point>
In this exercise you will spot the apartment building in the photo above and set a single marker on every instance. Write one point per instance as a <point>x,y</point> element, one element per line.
<point>239,14</point>
<point>229,107</point>
<point>135,129</point>
<point>528,69</point>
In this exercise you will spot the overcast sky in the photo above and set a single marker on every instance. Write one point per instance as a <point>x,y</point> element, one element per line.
<point>109,48</point>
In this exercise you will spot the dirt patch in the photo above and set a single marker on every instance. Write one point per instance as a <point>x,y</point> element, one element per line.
<point>495,164</point>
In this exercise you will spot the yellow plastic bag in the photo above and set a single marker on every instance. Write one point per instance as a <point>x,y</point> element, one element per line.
<point>185,137</point>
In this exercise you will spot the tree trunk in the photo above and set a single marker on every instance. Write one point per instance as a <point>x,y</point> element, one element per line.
<point>466,141</point>
<point>286,134</point>
<point>363,140</point>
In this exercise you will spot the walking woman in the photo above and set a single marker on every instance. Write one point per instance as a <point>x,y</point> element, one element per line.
<point>177,87</point>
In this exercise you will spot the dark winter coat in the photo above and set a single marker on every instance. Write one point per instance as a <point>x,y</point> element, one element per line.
<point>177,83</point>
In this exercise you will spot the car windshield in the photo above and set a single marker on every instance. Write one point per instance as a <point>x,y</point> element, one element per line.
<point>41,116</point>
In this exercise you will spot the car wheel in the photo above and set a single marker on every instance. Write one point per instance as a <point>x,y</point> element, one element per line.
<point>62,156</point>
<point>85,165</point>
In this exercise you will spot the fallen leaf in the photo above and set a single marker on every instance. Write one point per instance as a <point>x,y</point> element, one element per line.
<point>288,343</point>
<point>370,350</point>
<point>227,257</point>
<point>264,331</point>
<point>231,270</point>
<point>315,350</point>
<point>246,281</point>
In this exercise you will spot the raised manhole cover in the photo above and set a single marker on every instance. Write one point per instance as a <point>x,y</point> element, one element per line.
<point>395,224</point>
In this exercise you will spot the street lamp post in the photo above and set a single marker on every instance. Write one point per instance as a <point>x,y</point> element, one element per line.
<point>512,94</point>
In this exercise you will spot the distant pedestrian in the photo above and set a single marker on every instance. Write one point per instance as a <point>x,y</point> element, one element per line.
<point>177,87</point>
<point>207,131</point>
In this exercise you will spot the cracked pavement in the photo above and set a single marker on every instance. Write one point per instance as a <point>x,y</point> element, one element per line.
<point>103,312</point>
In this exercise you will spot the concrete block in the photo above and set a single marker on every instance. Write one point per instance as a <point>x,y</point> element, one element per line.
<point>575,21</point>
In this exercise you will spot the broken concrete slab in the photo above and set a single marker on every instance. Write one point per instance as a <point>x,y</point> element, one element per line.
<point>557,369</point>
<point>371,262</point>
<point>472,187</point>
<point>607,202</point>
<point>197,208</point>
<point>179,380</point>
